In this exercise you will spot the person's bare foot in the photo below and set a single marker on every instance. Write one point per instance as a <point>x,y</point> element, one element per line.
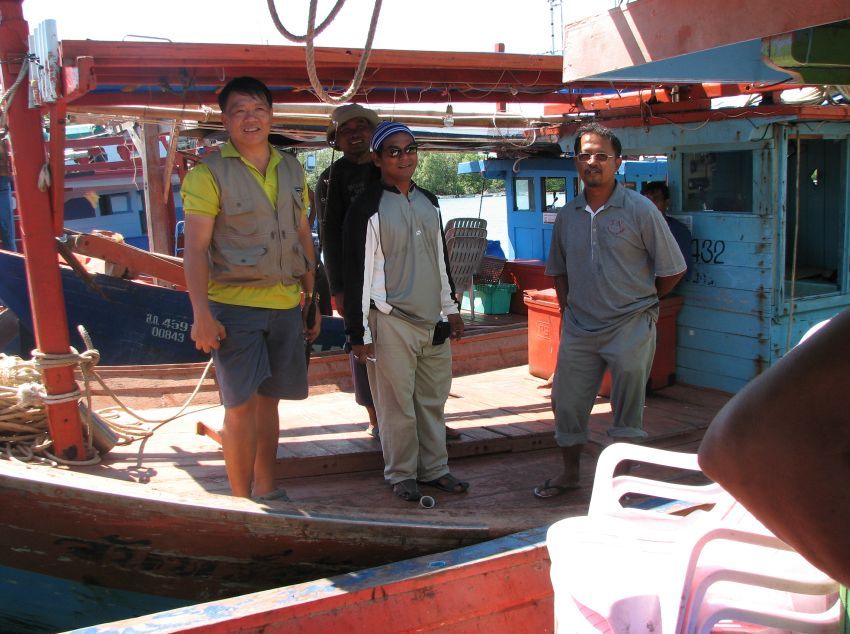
<point>554,487</point>
<point>548,383</point>
<point>568,480</point>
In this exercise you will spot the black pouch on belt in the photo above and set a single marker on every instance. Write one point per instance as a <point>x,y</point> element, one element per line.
<point>442,331</point>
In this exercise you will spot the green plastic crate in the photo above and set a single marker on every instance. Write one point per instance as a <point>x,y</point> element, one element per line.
<point>491,299</point>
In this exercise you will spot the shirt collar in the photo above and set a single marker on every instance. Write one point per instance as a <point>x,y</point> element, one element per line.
<point>616,199</point>
<point>396,190</point>
<point>228,150</point>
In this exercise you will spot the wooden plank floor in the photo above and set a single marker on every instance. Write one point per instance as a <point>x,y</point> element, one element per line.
<point>326,457</point>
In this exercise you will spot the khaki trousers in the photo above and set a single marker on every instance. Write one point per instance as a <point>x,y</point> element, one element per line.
<point>410,381</point>
<point>628,351</point>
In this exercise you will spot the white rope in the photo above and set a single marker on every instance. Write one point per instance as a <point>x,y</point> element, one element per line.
<point>303,38</point>
<point>44,179</point>
<point>312,32</point>
<point>9,94</point>
<point>88,372</point>
<point>23,418</point>
<point>24,433</point>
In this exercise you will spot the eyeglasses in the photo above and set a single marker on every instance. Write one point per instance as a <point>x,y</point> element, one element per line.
<point>395,152</point>
<point>599,157</point>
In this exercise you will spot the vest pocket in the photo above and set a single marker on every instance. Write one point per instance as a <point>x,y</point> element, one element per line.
<point>297,263</point>
<point>248,256</point>
<point>241,218</point>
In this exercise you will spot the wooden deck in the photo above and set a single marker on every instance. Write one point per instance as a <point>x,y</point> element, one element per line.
<point>326,457</point>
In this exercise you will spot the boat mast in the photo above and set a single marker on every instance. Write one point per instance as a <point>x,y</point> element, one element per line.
<point>34,206</point>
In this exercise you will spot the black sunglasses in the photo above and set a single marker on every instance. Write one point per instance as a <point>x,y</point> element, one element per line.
<point>395,152</point>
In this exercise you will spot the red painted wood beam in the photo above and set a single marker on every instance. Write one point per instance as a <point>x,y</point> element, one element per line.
<point>131,259</point>
<point>399,96</point>
<point>56,147</point>
<point>160,220</point>
<point>44,281</point>
<point>165,55</point>
<point>650,30</point>
<point>174,73</point>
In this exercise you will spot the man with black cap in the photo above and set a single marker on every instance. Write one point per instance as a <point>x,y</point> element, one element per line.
<point>350,131</point>
<point>400,308</point>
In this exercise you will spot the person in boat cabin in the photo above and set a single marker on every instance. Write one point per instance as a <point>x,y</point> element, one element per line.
<point>612,256</point>
<point>400,308</point>
<point>659,193</point>
<point>780,447</point>
<point>248,256</point>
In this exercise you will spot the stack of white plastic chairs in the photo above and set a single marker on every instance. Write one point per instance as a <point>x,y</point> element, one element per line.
<point>625,569</point>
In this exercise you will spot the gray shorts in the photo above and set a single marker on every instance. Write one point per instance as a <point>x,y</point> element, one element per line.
<point>262,353</point>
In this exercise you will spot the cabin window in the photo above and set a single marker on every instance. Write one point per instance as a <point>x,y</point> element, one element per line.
<point>114,204</point>
<point>523,194</point>
<point>555,190</point>
<point>813,260</point>
<point>78,209</point>
<point>717,181</point>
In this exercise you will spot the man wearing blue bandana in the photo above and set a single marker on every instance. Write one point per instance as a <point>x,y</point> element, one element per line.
<point>400,308</point>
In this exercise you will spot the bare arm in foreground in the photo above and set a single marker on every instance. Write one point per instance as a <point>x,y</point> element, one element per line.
<point>782,447</point>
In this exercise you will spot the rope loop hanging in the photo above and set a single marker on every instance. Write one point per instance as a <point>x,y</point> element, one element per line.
<point>309,39</point>
<point>300,39</point>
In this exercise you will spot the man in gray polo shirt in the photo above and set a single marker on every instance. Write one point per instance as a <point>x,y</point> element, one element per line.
<point>613,257</point>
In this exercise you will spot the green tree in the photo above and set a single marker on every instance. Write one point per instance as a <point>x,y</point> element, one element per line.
<point>437,172</point>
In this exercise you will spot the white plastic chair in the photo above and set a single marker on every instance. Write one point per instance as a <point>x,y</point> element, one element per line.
<point>736,577</point>
<point>622,569</point>
<point>466,247</point>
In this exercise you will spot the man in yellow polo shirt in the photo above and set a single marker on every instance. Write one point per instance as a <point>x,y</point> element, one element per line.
<point>248,254</point>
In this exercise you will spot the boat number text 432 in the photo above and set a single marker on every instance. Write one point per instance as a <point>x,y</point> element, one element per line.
<point>166,328</point>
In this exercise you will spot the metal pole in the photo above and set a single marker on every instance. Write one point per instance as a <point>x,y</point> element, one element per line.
<point>43,278</point>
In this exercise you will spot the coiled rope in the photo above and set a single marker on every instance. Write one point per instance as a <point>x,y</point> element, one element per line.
<point>308,39</point>
<point>24,433</point>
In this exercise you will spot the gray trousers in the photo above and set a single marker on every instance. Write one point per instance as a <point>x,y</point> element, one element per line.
<point>410,381</point>
<point>582,358</point>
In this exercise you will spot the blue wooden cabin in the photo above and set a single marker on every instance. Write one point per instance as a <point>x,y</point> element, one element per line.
<point>764,270</point>
<point>536,187</point>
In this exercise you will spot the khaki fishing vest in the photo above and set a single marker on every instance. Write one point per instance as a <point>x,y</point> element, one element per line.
<point>253,243</point>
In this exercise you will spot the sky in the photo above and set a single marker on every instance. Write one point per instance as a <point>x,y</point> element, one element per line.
<point>524,26</point>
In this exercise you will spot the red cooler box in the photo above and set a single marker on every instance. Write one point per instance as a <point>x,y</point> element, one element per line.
<point>544,331</point>
<point>528,275</point>
<point>544,336</point>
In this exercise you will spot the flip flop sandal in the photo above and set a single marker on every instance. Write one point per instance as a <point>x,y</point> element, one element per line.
<point>452,434</point>
<point>407,490</point>
<point>374,433</point>
<point>549,490</point>
<point>448,483</point>
<point>277,494</point>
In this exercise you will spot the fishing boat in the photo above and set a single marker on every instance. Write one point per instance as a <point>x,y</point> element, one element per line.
<point>131,317</point>
<point>153,517</point>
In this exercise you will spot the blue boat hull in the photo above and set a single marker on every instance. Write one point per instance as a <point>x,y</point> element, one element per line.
<point>132,323</point>
<point>32,602</point>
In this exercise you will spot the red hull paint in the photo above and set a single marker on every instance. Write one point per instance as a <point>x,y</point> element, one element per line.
<point>500,586</point>
<point>108,534</point>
